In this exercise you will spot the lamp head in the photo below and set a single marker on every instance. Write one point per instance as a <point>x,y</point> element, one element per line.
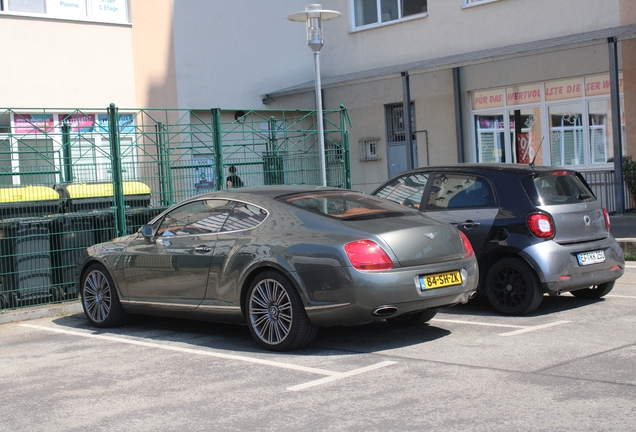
<point>313,16</point>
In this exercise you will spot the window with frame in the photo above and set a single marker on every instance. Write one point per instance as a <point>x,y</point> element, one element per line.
<point>378,12</point>
<point>476,2</point>
<point>113,11</point>
<point>406,190</point>
<point>198,217</point>
<point>456,191</point>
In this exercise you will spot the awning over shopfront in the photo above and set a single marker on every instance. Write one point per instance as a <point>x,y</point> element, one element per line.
<point>596,37</point>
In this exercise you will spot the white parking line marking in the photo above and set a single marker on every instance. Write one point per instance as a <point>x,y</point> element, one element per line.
<point>478,323</point>
<point>522,329</point>
<point>533,328</point>
<point>341,375</point>
<point>620,296</point>
<point>331,375</point>
<point>187,350</point>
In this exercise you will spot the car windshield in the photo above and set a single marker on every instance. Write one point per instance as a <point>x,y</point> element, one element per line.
<point>561,187</point>
<point>345,205</point>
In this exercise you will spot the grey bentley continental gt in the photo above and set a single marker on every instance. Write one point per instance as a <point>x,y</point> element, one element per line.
<point>286,260</point>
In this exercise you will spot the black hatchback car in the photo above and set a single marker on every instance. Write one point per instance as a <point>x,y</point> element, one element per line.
<point>535,230</point>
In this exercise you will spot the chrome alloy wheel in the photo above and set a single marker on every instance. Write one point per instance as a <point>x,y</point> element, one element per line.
<point>96,295</point>
<point>270,311</point>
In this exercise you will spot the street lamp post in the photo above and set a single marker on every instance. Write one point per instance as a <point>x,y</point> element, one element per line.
<point>314,15</point>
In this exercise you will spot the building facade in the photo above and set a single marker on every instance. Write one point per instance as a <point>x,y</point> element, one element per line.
<point>486,80</point>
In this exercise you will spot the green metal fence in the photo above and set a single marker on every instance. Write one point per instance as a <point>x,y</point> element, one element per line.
<point>70,178</point>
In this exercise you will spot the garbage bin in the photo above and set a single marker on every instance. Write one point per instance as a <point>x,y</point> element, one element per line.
<point>28,201</point>
<point>25,263</point>
<point>71,234</point>
<point>83,197</point>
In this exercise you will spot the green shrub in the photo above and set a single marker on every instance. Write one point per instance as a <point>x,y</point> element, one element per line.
<point>629,173</point>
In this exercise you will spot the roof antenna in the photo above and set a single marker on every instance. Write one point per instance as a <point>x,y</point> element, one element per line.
<point>537,153</point>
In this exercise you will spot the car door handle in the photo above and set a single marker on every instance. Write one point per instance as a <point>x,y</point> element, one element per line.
<point>202,249</point>
<point>468,224</point>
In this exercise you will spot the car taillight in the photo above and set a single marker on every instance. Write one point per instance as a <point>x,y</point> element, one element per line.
<point>541,225</point>
<point>607,219</point>
<point>560,173</point>
<point>367,255</point>
<point>468,248</point>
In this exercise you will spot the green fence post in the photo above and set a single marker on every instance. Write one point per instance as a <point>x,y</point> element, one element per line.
<point>118,185</point>
<point>165,183</point>
<point>67,160</point>
<point>344,119</point>
<point>218,149</point>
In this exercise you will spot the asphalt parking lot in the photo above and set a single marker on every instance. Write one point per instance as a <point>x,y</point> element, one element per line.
<point>569,366</point>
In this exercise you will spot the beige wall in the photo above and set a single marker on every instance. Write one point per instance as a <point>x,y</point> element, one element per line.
<point>432,94</point>
<point>450,29</point>
<point>154,57</point>
<point>66,64</point>
<point>628,51</point>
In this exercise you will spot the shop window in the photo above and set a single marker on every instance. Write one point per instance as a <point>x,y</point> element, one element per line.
<point>31,6</point>
<point>370,12</point>
<point>566,135</point>
<point>489,130</point>
<point>5,162</point>
<point>36,158</point>
<point>600,124</point>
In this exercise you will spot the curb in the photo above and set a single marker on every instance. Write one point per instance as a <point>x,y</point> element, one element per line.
<point>60,309</point>
<point>628,245</point>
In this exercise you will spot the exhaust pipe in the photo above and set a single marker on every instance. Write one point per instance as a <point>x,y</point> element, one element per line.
<point>472,295</point>
<point>384,311</point>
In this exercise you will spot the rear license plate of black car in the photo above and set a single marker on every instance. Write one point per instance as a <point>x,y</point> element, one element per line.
<point>440,280</point>
<point>587,258</point>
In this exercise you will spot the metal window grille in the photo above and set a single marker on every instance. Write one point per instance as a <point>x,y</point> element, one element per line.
<point>369,149</point>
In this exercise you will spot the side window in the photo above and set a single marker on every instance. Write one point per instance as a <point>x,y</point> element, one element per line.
<point>406,190</point>
<point>198,217</point>
<point>455,191</point>
<point>244,216</point>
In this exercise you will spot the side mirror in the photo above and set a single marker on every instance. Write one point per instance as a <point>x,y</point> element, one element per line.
<point>147,231</point>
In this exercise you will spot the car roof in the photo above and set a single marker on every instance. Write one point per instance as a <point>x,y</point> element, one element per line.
<point>500,167</point>
<point>271,192</point>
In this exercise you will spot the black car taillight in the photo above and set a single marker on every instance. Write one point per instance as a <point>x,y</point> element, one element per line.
<point>541,225</point>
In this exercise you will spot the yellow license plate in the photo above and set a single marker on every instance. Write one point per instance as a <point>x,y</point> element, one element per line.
<point>440,280</point>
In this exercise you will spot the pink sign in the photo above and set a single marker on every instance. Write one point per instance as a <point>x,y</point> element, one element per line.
<point>32,123</point>
<point>78,122</point>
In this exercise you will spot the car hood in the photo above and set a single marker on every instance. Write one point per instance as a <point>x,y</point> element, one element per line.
<point>415,240</point>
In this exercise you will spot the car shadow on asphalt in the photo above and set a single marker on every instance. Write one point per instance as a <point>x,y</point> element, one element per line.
<point>480,306</point>
<point>330,341</point>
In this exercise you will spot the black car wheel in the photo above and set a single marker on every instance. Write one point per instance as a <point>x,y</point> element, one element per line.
<point>512,287</point>
<point>412,319</point>
<point>275,314</point>
<point>100,300</point>
<point>595,292</point>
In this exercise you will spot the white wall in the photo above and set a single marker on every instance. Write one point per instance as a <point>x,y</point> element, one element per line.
<point>57,63</point>
<point>228,53</point>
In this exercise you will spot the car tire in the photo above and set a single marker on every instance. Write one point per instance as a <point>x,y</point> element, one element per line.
<point>512,287</point>
<point>595,292</point>
<point>275,314</point>
<point>412,319</point>
<point>100,299</point>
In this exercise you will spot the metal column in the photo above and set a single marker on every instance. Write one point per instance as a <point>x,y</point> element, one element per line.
<point>616,126</point>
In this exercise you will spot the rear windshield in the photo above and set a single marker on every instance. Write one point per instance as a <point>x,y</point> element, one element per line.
<point>562,187</point>
<point>346,205</point>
